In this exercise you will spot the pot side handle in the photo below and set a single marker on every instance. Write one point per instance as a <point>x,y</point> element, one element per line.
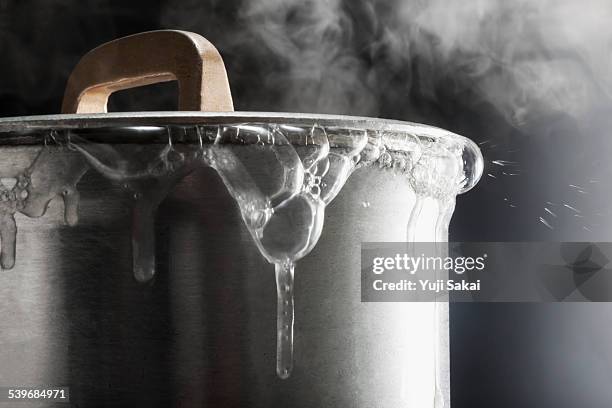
<point>148,58</point>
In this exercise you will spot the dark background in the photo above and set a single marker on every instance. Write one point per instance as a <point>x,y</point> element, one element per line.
<point>365,60</point>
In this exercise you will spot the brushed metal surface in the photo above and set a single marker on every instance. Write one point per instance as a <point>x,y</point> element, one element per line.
<point>202,333</point>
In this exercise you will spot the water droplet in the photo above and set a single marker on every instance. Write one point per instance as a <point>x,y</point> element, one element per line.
<point>546,223</point>
<point>571,208</point>
<point>504,163</point>
<point>550,212</point>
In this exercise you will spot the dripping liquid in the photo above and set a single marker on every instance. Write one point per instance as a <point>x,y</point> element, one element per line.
<point>284,319</point>
<point>284,213</point>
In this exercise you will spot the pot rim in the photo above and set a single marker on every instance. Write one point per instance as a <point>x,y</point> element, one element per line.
<point>13,129</point>
<point>94,120</point>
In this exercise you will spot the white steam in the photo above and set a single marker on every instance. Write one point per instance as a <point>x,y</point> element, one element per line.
<point>312,39</point>
<point>527,58</point>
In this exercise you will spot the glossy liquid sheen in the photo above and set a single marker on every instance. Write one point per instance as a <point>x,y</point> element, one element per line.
<point>284,215</point>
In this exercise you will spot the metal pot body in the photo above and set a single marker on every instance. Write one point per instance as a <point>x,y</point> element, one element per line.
<point>202,333</point>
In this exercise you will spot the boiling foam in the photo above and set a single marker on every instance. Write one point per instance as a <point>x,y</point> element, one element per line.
<point>281,177</point>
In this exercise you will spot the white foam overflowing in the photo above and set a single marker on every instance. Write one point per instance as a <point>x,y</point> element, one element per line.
<point>281,177</point>
<point>286,223</point>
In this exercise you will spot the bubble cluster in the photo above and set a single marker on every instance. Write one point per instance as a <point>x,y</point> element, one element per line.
<point>281,177</point>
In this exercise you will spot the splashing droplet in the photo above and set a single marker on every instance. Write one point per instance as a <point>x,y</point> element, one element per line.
<point>546,223</point>
<point>571,208</point>
<point>504,163</point>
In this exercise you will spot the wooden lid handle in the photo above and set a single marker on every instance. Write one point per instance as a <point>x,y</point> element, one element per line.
<point>148,58</point>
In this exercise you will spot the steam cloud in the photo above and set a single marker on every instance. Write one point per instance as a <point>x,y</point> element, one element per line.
<point>527,58</point>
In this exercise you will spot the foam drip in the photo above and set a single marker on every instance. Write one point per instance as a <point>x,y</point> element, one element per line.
<point>286,222</point>
<point>281,177</point>
<point>54,172</point>
<point>147,181</point>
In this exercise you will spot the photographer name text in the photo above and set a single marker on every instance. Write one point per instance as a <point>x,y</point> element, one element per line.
<point>426,285</point>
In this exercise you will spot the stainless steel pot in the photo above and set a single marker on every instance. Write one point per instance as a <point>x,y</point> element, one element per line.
<point>130,274</point>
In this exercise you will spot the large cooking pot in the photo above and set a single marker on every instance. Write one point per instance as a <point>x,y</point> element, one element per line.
<point>148,258</point>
